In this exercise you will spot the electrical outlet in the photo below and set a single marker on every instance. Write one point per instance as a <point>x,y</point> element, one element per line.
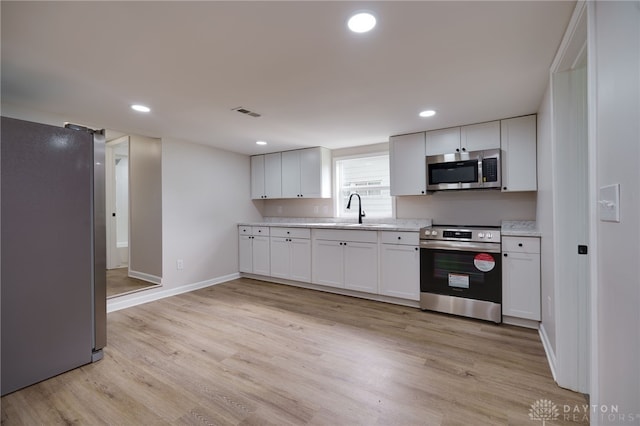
<point>180,264</point>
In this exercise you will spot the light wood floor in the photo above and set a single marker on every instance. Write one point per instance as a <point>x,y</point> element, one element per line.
<point>118,282</point>
<point>254,353</point>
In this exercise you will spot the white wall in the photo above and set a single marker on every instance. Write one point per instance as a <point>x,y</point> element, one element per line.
<point>205,193</point>
<point>544,217</point>
<point>614,45</point>
<point>468,207</point>
<point>145,208</point>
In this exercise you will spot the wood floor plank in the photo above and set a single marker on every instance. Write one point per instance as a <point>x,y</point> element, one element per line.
<point>249,352</point>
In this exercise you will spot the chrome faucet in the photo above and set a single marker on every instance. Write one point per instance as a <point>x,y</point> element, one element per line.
<point>360,211</point>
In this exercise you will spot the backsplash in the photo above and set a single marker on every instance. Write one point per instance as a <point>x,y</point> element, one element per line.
<point>451,208</point>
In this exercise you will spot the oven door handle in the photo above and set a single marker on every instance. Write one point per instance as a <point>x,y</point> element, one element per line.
<point>460,246</point>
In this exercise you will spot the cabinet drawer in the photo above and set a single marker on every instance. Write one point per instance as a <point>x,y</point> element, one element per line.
<point>521,244</point>
<point>291,232</point>
<point>346,235</point>
<point>244,230</point>
<point>260,230</point>
<point>405,238</point>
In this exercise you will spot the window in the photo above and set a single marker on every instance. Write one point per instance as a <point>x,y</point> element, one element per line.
<point>369,177</point>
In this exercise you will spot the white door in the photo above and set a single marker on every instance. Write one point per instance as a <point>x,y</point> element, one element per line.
<point>408,164</point>
<point>311,173</point>
<point>245,255</point>
<point>327,266</point>
<point>445,141</point>
<point>261,262</point>
<point>300,250</point>
<point>477,137</point>
<point>273,175</point>
<point>291,174</point>
<point>361,266</point>
<point>571,228</point>
<point>400,271</point>
<point>117,202</point>
<point>280,257</point>
<point>257,177</point>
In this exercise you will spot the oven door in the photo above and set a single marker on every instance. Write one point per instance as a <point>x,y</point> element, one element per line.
<point>462,269</point>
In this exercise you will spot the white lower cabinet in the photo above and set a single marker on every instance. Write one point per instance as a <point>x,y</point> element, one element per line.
<point>291,254</point>
<point>400,265</point>
<point>521,277</point>
<point>254,250</point>
<point>345,259</point>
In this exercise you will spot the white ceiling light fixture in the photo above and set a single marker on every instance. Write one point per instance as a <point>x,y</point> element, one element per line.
<point>362,22</point>
<point>261,142</point>
<point>140,108</point>
<point>427,113</point>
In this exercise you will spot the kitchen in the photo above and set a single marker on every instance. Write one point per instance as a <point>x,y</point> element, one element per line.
<point>194,221</point>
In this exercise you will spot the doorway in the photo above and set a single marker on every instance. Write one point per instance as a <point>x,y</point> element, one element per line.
<point>572,213</point>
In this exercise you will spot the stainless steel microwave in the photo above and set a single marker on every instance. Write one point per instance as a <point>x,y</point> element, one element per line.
<point>464,170</point>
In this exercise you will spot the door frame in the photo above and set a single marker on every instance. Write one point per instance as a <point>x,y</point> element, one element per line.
<point>573,283</point>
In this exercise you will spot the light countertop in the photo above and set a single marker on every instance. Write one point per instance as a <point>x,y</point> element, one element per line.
<point>520,228</point>
<point>399,225</point>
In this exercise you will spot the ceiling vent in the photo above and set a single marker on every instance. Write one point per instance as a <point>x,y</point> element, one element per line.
<point>245,111</point>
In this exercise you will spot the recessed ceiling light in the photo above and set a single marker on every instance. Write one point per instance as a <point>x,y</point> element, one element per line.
<point>427,113</point>
<point>140,108</point>
<point>362,22</point>
<point>261,143</point>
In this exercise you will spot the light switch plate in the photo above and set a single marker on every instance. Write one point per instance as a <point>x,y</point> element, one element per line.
<point>609,203</point>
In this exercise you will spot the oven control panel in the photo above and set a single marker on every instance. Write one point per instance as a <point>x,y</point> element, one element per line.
<point>463,233</point>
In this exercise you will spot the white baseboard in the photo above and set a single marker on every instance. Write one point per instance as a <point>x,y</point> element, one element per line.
<point>145,277</point>
<point>135,299</point>
<point>548,349</point>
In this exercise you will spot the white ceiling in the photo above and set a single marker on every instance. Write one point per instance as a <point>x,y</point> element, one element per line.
<point>313,81</point>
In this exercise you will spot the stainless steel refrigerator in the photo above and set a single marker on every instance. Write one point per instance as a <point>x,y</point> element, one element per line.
<point>53,276</point>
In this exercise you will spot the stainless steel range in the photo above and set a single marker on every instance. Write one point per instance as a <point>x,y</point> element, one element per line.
<point>461,271</point>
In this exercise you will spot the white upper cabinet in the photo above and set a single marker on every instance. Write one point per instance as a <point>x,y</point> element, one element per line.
<point>266,176</point>
<point>306,173</point>
<point>474,137</point>
<point>407,164</point>
<point>257,176</point>
<point>518,143</point>
<point>444,141</point>
<point>478,137</point>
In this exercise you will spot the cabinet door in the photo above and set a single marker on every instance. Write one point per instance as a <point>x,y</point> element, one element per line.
<point>445,141</point>
<point>477,137</point>
<point>291,174</point>
<point>518,143</point>
<point>245,255</point>
<point>521,285</point>
<point>273,175</point>
<point>408,164</point>
<point>327,266</point>
<point>400,271</point>
<point>361,266</point>
<point>280,257</point>
<point>257,176</point>
<point>311,173</point>
<point>300,250</point>
<point>260,251</point>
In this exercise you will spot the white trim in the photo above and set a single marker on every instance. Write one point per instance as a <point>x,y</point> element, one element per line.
<point>548,350</point>
<point>116,304</point>
<point>145,277</point>
<point>594,377</point>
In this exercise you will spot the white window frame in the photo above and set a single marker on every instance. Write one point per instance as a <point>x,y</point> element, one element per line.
<point>336,185</point>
